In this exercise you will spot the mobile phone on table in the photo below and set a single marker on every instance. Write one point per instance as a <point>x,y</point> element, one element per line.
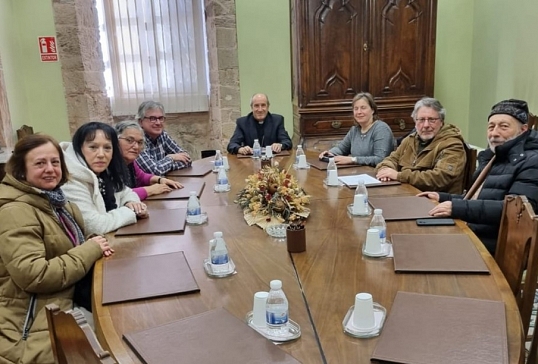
<point>435,222</point>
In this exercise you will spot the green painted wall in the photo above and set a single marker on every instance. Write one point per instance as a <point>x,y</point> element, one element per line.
<point>34,89</point>
<point>263,37</point>
<point>453,59</point>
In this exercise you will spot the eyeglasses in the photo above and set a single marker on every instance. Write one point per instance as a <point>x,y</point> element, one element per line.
<point>132,141</point>
<point>153,119</point>
<point>427,120</point>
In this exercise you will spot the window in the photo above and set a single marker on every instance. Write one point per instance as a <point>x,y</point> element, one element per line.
<point>154,50</point>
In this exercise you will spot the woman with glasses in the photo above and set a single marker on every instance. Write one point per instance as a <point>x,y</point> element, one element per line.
<point>98,184</point>
<point>368,141</point>
<point>131,142</point>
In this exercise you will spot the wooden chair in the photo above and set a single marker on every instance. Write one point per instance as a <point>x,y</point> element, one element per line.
<point>24,131</point>
<point>470,166</point>
<point>533,121</point>
<point>73,340</point>
<point>517,251</point>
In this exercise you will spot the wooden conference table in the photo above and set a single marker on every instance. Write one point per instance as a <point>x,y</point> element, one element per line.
<point>330,272</point>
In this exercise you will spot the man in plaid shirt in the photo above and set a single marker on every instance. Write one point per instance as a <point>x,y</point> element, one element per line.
<point>161,154</point>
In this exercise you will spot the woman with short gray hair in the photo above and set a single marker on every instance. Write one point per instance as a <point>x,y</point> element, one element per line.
<point>131,141</point>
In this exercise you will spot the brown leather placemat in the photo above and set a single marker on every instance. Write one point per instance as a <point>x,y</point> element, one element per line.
<point>199,168</point>
<point>427,329</point>
<point>159,221</point>
<point>436,253</point>
<point>403,207</point>
<point>180,193</point>
<point>147,276</point>
<point>322,166</point>
<point>210,337</point>
<point>283,153</point>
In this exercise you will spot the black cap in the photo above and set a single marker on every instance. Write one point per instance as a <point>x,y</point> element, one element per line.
<point>516,108</point>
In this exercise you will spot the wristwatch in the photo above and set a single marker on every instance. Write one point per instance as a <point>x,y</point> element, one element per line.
<point>354,160</point>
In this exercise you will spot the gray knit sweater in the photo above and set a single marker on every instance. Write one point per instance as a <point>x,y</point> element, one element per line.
<point>369,148</point>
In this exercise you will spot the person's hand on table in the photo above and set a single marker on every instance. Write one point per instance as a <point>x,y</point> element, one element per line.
<point>139,209</point>
<point>444,209</point>
<point>157,189</point>
<point>386,174</point>
<point>171,183</point>
<point>342,159</point>
<point>181,157</point>
<point>325,153</point>
<point>103,244</point>
<point>431,195</point>
<point>276,147</point>
<point>245,150</point>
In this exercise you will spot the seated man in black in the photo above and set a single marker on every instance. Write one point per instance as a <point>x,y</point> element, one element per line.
<point>262,125</point>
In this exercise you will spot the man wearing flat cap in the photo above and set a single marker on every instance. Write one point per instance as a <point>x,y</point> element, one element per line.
<point>511,168</point>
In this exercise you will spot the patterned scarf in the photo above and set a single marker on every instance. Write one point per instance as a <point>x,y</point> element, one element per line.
<point>57,200</point>
<point>107,191</point>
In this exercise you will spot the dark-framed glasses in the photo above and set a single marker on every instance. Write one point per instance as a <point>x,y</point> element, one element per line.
<point>154,119</point>
<point>132,141</point>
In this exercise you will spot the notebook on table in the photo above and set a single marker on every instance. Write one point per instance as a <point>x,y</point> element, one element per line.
<point>210,337</point>
<point>282,153</point>
<point>199,168</point>
<point>426,329</point>
<point>352,181</point>
<point>159,221</point>
<point>181,193</point>
<point>436,253</point>
<point>147,276</point>
<point>322,166</point>
<point>403,207</point>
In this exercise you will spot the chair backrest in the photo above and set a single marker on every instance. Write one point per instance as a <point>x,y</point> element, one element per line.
<point>208,153</point>
<point>517,251</point>
<point>73,340</point>
<point>470,166</point>
<point>24,131</point>
<point>533,121</point>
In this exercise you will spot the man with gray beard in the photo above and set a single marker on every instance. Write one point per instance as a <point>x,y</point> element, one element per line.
<point>511,163</point>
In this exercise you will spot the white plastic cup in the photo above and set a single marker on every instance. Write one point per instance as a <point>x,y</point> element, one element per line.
<point>359,207</point>
<point>258,309</point>
<point>332,178</point>
<point>268,151</point>
<point>373,242</point>
<point>363,312</point>
<point>302,162</point>
<point>225,163</point>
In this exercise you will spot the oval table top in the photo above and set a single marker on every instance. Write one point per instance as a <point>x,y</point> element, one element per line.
<point>320,283</point>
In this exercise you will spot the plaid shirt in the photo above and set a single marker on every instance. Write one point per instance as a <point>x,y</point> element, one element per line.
<point>153,158</point>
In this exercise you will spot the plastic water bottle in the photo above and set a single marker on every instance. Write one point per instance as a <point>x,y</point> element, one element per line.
<point>361,191</point>
<point>298,153</point>
<point>378,222</point>
<point>276,309</point>
<point>218,253</point>
<point>194,210</point>
<point>332,173</point>
<point>256,149</point>
<point>222,181</point>
<point>218,161</point>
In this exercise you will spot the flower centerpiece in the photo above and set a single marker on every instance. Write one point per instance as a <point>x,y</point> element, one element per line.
<point>271,197</point>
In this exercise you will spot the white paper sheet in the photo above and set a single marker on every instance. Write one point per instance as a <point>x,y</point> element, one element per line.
<point>354,180</point>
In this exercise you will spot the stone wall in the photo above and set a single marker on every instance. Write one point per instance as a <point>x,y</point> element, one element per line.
<point>82,62</point>
<point>6,131</point>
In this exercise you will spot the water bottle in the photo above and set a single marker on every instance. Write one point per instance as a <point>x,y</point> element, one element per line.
<point>378,222</point>
<point>222,181</point>
<point>298,154</point>
<point>332,173</point>
<point>256,149</point>
<point>194,211</point>
<point>218,161</point>
<point>361,198</point>
<point>218,253</point>
<point>276,309</point>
